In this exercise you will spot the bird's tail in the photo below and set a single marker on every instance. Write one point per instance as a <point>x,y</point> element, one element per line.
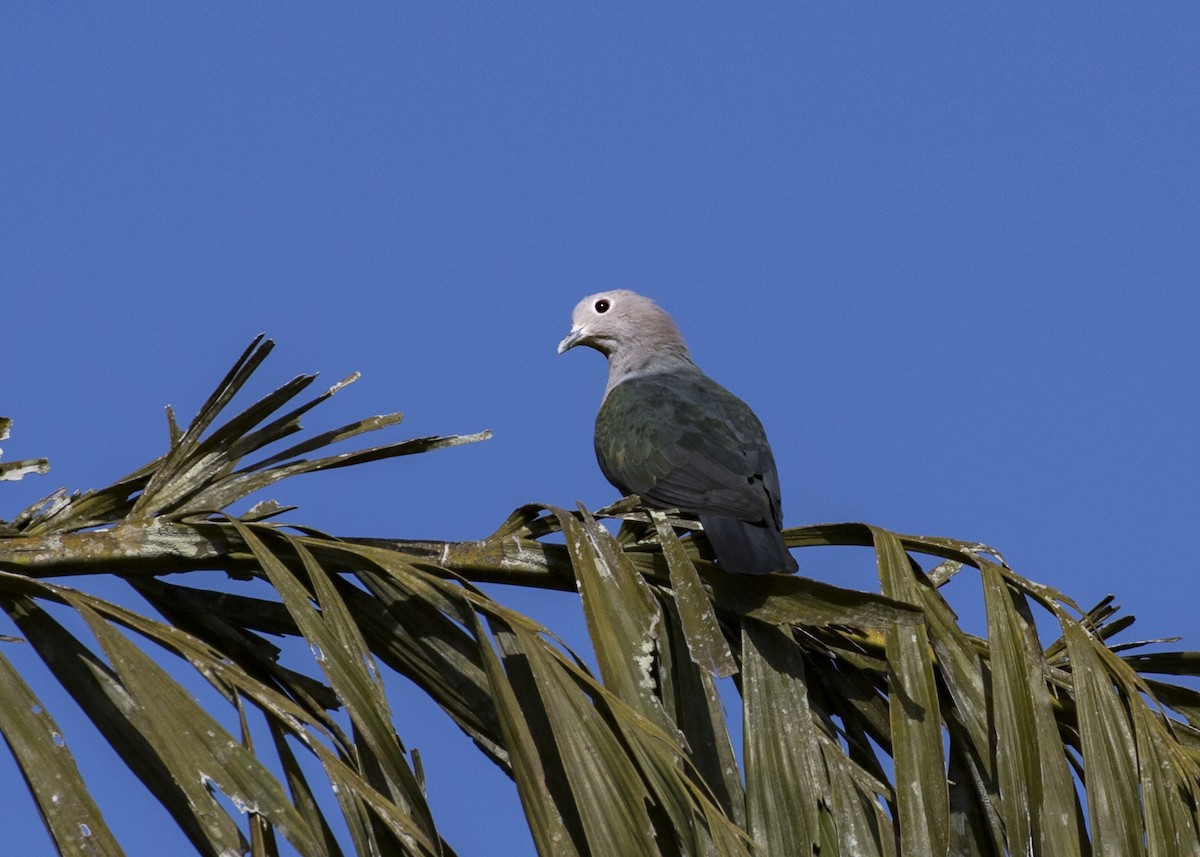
<point>743,547</point>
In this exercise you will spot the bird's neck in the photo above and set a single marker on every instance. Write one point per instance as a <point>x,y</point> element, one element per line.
<point>626,364</point>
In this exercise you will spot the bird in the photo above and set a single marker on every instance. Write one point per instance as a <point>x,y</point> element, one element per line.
<point>676,438</point>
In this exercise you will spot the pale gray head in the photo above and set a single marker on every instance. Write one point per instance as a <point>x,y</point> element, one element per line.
<point>633,332</point>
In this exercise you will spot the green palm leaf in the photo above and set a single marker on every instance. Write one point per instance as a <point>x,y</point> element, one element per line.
<point>873,724</point>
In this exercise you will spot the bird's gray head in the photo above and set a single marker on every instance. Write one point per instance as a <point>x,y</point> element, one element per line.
<point>612,321</point>
<point>633,332</point>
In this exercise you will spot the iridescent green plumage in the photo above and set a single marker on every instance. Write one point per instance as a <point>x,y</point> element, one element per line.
<point>680,440</point>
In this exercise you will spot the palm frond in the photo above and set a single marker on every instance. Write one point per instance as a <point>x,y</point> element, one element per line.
<point>873,723</point>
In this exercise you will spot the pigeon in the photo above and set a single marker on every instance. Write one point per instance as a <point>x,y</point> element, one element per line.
<point>676,438</point>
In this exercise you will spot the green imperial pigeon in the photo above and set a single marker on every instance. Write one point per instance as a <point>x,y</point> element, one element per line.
<point>678,439</point>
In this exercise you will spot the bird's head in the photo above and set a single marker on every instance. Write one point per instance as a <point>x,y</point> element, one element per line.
<point>621,320</point>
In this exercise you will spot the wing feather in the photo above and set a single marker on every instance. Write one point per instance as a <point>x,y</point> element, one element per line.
<point>680,440</point>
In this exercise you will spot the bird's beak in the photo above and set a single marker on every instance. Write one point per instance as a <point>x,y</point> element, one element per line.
<point>571,339</point>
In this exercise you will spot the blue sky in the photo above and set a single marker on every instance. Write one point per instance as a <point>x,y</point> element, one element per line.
<point>948,253</point>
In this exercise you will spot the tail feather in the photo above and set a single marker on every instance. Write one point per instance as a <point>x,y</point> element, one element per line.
<point>744,547</point>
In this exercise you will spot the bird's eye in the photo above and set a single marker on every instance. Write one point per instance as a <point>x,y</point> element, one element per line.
<point>602,305</point>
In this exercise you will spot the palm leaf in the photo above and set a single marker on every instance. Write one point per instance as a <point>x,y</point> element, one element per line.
<point>873,724</point>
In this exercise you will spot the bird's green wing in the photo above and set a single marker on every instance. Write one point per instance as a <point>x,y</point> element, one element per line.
<point>680,440</point>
